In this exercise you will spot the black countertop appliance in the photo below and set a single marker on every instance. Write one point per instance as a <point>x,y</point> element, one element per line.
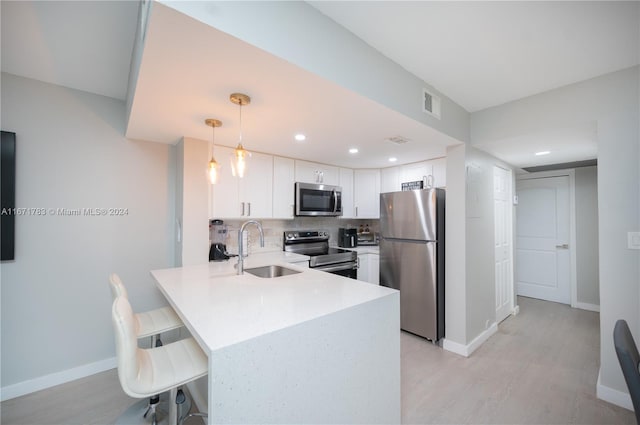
<point>347,238</point>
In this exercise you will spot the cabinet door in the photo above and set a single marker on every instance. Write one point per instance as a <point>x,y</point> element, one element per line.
<point>346,182</point>
<point>283,187</point>
<point>329,175</point>
<point>416,172</point>
<point>311,172</point>
<point>256,188</point>
<point>306,172</point>
<point>374,269</point>
<point>367,193</point>
<point>439,172</point>
<point>390,180</point>
<point>363,267</point>
<point>225,193</point>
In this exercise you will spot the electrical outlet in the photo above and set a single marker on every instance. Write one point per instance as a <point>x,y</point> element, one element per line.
<point>633,240</point>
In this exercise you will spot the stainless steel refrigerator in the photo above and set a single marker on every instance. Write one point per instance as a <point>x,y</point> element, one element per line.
<point>412,257</point>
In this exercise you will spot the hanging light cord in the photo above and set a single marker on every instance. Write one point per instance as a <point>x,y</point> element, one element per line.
<point>213,139</point>
<point>240,106</point>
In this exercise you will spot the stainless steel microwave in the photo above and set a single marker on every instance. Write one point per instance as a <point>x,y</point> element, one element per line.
<point>318,200</point>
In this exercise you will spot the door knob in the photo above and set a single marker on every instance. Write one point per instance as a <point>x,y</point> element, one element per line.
<point>563,246</point>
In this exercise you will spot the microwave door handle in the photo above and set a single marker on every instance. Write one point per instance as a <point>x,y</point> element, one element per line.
<point>335,201</point>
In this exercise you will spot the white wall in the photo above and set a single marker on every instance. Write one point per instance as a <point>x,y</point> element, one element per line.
<point>192,202</point>
<point>613,102</point>
<point>455,298</point>
<point>300,34</point>
<point>470,275</point>
<point>55,298</point>
<point>587,282</point>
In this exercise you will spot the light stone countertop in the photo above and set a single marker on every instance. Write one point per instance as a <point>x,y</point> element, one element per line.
<point>364,249</point>
<point>221,308</point>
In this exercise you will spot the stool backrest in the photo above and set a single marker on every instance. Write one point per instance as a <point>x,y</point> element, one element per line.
<point>117,287</point>
<point>629,359</point>
<point>126,345</point>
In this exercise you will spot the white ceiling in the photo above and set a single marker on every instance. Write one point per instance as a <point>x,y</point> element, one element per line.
<point>482,54</point>
<point>479,54</point>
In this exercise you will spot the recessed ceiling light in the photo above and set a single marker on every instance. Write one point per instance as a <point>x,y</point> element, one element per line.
<point>300,137</point>
<point>393,159</point>
<point>353,150</point>
<point>543,153</point>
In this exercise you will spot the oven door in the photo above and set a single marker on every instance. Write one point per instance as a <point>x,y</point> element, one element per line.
<point>318,200</point>
<point>349,269</point>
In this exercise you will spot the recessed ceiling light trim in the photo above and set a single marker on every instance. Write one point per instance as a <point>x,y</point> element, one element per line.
<point>393,159</point>
<point>300,137</point>
<point>353,150</point>
<point>543,153</point>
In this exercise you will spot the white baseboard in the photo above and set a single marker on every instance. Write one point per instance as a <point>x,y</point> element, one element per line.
<point>612,396</point>
<point>515,310</point>
<point>587,306</point>
<point>57,378</point>
<point>467,350</point>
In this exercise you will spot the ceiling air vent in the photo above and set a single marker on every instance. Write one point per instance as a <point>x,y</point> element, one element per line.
<point>398,140</point>
<point>430,103</point>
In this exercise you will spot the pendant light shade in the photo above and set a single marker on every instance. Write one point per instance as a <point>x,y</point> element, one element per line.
<point>212,170</point>
<point>239,160</point>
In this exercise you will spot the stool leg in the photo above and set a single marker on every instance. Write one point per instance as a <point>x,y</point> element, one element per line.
<point>173,407</point>
<point>180,399</point>
<point>153,400</point>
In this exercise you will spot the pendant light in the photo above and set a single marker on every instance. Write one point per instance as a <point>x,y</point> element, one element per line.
<point>213,164</point>
<point>239,161</point>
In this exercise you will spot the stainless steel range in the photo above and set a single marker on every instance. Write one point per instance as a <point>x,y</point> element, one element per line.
<point>315,244</point>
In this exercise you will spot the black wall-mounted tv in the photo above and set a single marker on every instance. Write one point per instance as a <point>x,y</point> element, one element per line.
<point>7,195</point>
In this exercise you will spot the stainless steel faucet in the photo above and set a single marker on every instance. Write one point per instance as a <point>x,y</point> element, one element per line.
<point>240,265</point>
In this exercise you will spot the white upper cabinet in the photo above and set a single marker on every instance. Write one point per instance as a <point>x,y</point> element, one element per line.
<point>250,196</point>
<point>346,183</point>
<point>311,172</point>
<point>439,172</point>
<point>420,171</point>
<point>283,187</point>
<point>366,189</point>
<point>390,179</point>
<point>433,171</point>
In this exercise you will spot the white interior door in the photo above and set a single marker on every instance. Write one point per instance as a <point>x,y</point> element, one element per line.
<point>542,239</point>
<point>502,242</point>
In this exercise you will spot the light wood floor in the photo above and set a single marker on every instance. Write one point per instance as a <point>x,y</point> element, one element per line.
<point>540,368</point>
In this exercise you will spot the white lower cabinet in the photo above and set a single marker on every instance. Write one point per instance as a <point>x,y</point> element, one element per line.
<point>247,197</point>
<point>369,268</point>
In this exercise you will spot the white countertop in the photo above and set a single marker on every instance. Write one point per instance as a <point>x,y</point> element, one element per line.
<point>366,249</point>
<point>363,249</point>
<point>221,308</point>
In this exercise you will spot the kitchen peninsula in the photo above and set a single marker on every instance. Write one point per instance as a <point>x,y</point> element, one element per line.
<point>309,347</point>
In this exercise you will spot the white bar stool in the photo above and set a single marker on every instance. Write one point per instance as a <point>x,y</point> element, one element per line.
<point>148,324</point>
<point>146,372</point>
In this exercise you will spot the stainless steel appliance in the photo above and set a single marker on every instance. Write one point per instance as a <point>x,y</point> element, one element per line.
<point>347,238</point>
<point>412,257</point>
<point>318,200</point>
<point>315,244</point>
<point>217,239</point>
<point>368,238</point>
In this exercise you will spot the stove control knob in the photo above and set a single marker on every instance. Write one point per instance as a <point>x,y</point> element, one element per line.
<point>325,233</point>
<point>289,235</point>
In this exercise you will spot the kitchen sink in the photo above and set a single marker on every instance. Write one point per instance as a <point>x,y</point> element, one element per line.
<point>271,271</point>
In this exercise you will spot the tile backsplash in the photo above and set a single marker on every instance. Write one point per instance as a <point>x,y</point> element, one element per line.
<point>274,229</point>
